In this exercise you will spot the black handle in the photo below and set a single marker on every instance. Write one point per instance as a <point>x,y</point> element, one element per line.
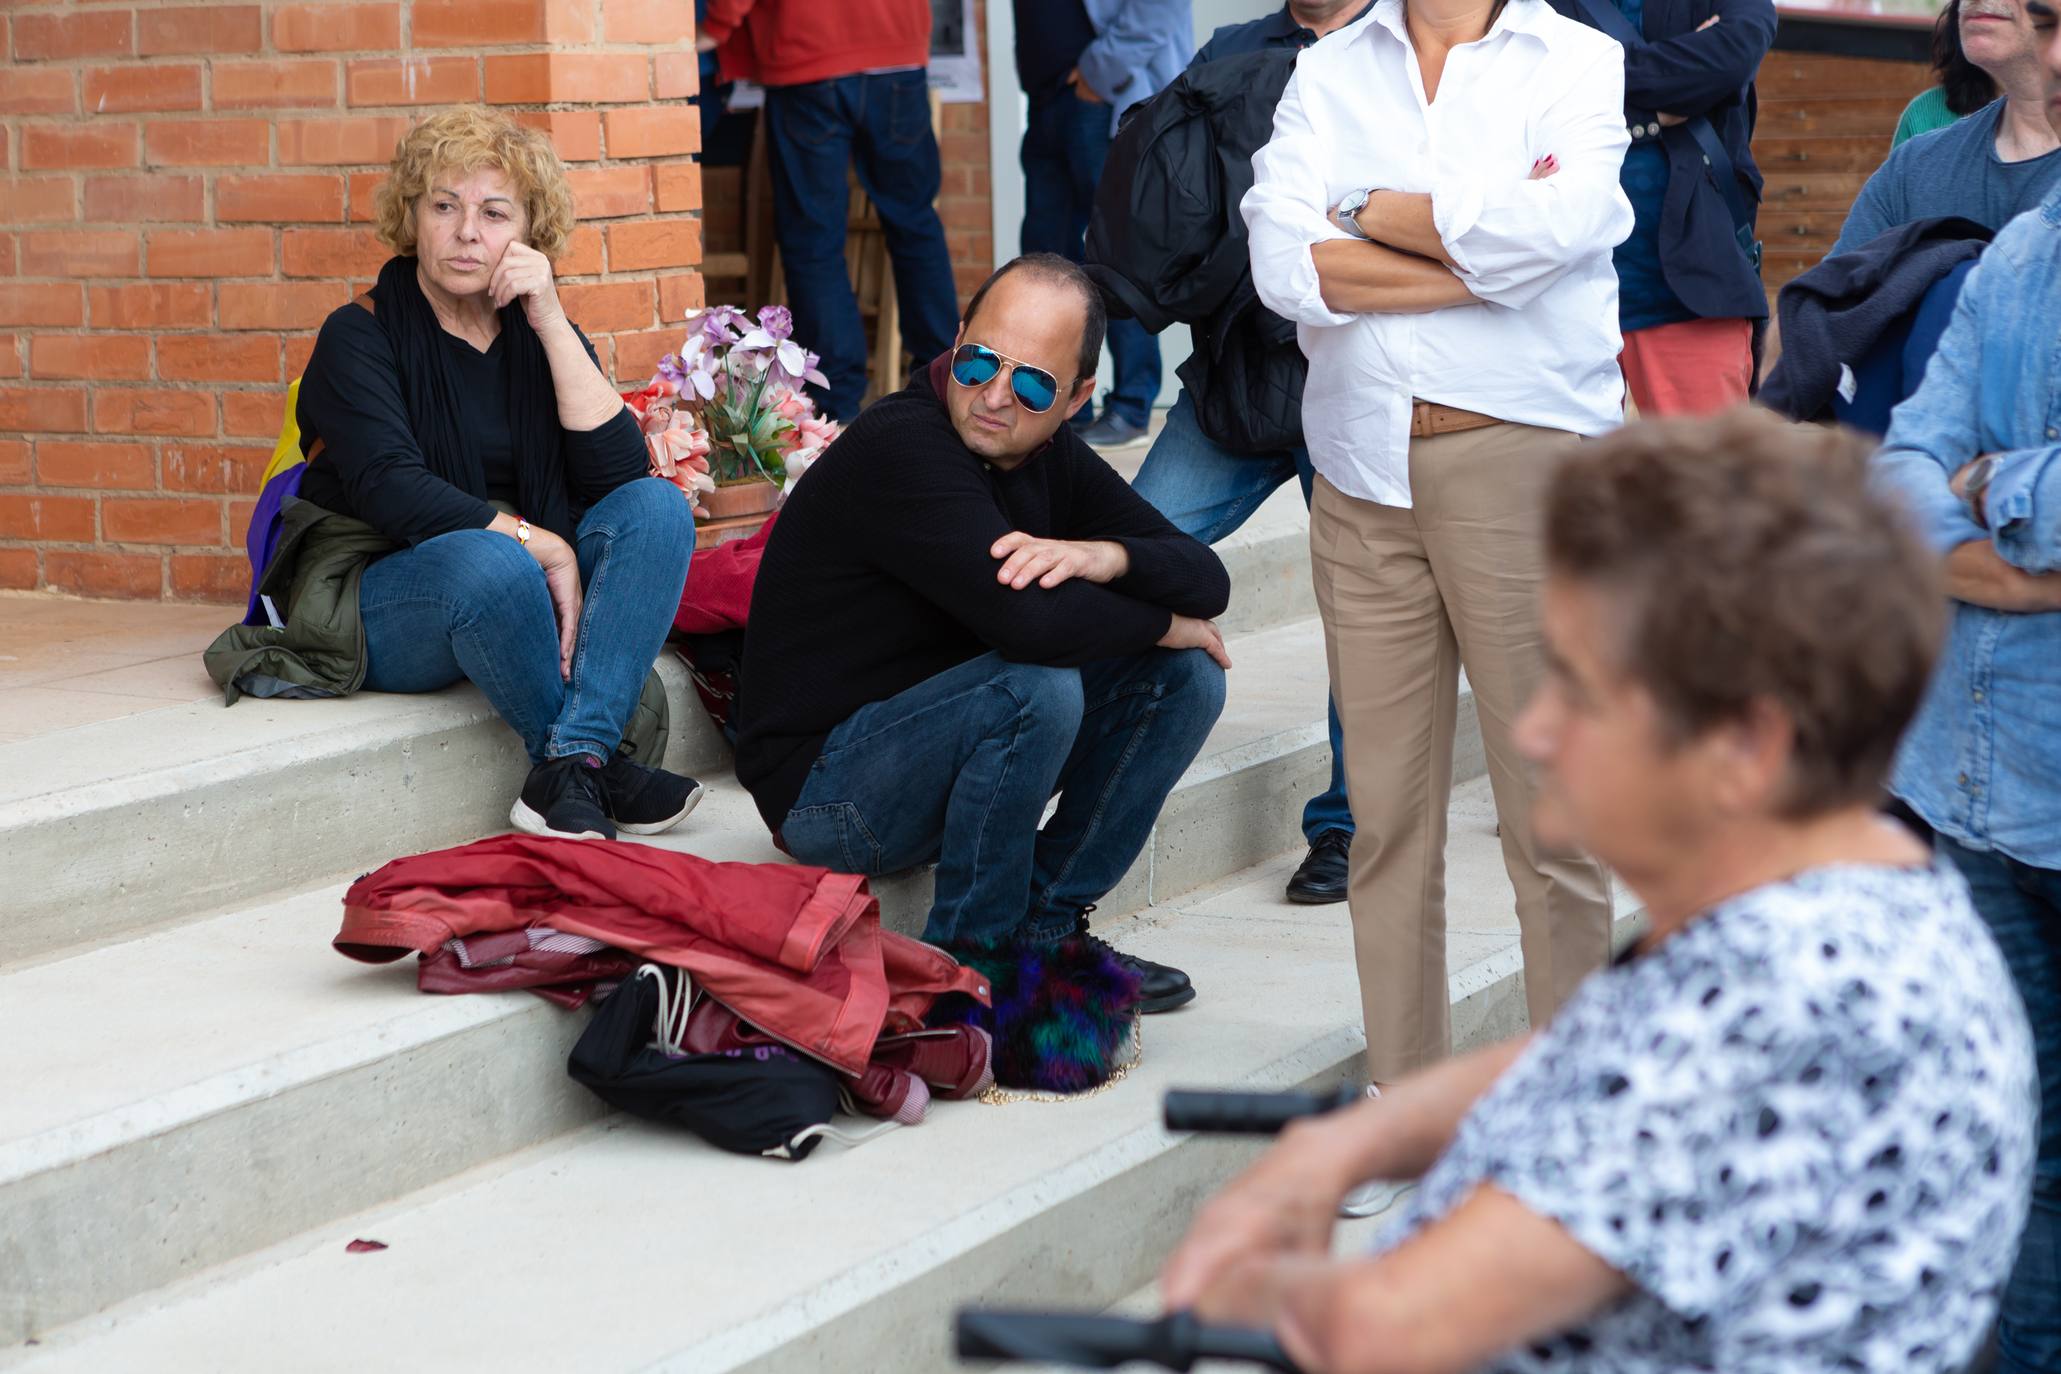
<point>1175,1341</point>
<point>1249,1113</point>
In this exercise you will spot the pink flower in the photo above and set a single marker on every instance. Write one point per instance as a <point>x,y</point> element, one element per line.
<point>679,454</point>
<point>791,407</point>
<point>816,432</point>
<point>682,446</point>
<point>658,395</point>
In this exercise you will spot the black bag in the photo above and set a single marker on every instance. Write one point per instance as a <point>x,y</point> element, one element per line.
<point>1167,244</point>
<point>1245,377</point>
<point>764,1100</point>
<point>1166,241</point>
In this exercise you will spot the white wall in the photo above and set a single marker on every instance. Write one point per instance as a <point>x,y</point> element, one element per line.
<point>1005,137</point>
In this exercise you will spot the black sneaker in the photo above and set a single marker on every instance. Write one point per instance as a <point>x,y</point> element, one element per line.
<point>646,801</point>
<point>563,797</point>
<point>1161,987</point>
<point>1321,877</point>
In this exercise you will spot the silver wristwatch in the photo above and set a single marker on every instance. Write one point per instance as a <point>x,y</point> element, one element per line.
<point>1977,487</point>
<point>1343,212</point>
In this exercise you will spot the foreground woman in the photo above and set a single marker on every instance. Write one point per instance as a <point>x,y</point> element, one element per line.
<point>1792,1129</point>
<point>456,411</point>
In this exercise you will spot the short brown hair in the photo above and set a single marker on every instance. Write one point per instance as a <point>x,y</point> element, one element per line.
<point>1754,564</point>
<point>471,138</point>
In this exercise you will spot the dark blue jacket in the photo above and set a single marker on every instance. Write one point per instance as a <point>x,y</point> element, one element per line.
<point>1710,73</point>
<point>1276,30</point>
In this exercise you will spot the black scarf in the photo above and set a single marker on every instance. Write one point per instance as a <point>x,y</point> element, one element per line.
<point>430,385</point>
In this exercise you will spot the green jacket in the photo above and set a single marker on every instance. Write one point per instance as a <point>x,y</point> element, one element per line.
<point>313,580</point>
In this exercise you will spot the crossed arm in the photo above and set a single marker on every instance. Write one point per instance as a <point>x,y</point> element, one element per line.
<point>1409,269</point>
<point>1502,240</point>
<point>1375,278</point>
<point>1934,438</point>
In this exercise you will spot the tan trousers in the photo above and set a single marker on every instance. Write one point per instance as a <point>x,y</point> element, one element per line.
<point>1408,597</point>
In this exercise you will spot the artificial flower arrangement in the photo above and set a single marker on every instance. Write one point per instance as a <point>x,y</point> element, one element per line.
<point>728,407</point>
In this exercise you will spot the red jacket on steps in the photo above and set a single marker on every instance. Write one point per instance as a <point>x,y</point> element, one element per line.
<point>797,951</point>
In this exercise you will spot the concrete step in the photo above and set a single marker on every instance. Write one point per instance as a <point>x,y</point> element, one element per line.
<point>118,826</point>
<point>626,1247</point>
<point>191,1076</point>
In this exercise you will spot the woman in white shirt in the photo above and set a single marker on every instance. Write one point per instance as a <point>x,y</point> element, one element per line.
<point>1794,1130</point>
<point>1436,211</point>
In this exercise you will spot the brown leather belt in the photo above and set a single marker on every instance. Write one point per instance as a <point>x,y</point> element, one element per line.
<point>1428,418</point>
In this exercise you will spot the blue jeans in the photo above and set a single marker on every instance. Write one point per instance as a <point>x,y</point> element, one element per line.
<point>2022,906</point>
<point>815,131</point>
<point>957,769</point>
<point>472,604</point>
<point>1064,146</point>
<point>1207,492</point>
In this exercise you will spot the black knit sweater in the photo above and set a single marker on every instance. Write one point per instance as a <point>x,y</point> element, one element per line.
<point>378,465</point>
<point>877,576</point>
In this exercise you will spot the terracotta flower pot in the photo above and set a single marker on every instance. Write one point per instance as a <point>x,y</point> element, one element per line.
<point>756,497</point>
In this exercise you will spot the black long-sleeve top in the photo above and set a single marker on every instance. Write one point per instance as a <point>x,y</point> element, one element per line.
<point>371,465</point>
<point>878,576</point>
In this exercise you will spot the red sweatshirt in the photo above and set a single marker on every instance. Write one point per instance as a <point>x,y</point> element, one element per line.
<point>788,42</point>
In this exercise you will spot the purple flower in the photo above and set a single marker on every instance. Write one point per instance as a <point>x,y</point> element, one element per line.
<point>776,320</point>
<point>669,368</point>
<point>721,324</point>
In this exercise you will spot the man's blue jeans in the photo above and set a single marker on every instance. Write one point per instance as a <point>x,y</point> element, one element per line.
<point>1065,143</point>
<point>2022,906</point>
<point>815,132</point>
<point>1207,491</point>
<point>958,769</point>
<point>472,604</point>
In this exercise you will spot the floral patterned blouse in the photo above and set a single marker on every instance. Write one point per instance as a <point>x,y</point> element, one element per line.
<point>1802,1127</point>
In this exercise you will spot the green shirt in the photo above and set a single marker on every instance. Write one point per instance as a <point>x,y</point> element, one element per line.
<point>1926,112</point>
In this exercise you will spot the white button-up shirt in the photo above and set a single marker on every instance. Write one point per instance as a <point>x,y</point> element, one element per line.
<point>1540,347</point>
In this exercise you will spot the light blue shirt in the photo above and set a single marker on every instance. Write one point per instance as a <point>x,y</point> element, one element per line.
<point>1140,45</point>
<point>1982,762</point>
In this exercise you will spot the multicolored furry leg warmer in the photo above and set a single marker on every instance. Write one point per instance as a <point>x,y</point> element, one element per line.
<point>1062,1013</point>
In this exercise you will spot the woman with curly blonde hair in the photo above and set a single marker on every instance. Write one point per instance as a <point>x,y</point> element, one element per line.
<point>458,412</point>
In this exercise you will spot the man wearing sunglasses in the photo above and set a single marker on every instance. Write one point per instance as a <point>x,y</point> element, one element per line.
<point>964,611</point>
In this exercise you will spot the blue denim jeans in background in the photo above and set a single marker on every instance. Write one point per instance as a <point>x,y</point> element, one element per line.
<point>1207,491</point>
<point>958,769</point>
<point>815,133</point>
<point>472,604</point>
<point>2022,907</point>
<point>1064,146</point>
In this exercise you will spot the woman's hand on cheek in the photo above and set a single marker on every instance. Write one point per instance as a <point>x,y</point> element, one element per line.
<point>524,273</point>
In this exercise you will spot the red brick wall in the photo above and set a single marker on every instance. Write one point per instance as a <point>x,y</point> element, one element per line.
<point>184,194</point>
<point>965,199</point>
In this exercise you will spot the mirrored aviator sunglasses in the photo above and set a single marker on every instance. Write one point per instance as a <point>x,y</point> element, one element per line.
<point>976,365</point>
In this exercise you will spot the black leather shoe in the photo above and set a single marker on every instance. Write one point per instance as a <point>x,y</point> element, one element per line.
<point>1321,877</point>
<point>1161,987</point>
